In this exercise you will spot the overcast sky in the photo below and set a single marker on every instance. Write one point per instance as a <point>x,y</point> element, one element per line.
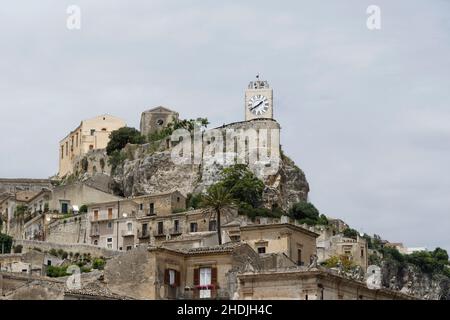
<point>365,113</point>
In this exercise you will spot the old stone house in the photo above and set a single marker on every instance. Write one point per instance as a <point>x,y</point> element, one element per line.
<point>156,119</point>
<point>304,284</point>
<point>168,273</point>
<point>91,134</point>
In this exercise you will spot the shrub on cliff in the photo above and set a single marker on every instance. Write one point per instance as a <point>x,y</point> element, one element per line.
<point>243,185</point>
<point>98,264</point>
<point>5,243</point>
<point>306,212</point>
<point>121,137</point>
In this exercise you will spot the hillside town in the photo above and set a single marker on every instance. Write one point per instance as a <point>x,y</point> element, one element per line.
<point>122,220</point>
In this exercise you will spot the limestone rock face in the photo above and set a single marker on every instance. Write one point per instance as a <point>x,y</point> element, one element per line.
<point>156,173</point>
<point>407,279</point>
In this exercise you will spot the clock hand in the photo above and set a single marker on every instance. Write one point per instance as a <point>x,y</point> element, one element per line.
<point>257,105</point>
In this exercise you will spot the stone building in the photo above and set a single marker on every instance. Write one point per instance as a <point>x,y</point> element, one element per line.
<point>113,224</point>
<point>121,225</point>
<point>304,284</point>
<point>168,273</point>
<point>69,198</point>
<point>155,119</point>
<point>295,242</point>
<point>91,134</point>
<point>356,250</point>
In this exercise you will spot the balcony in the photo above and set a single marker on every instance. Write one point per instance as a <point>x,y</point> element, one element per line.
<point>159,233</point>
<point>143,234</point>
<point>94,233</point>
<point>127,233</point>
<point>175,231</point>
<point>100,219</point>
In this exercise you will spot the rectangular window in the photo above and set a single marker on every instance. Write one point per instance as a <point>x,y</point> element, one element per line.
<point>144,229</point>
<point>205,280</point>
<point>160,227</point>
<point>92,132</point>
<point>171,277</point>
<point>109,245</point>
<point>212,225</point>
<point>299,257</point>
<point>194,227</point>
<point>141,206</point>
<point>109,240</point>
<point>176,225</point>
<point>67,148</point>
<point>110,213</point>
<point>261,249</point>
<point>109,225</point>
<point>95,215</point>
<point>152,208</point>
<point>129,248</point>
<point>64,207</point>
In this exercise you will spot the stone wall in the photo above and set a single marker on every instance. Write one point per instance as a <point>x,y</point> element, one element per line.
<point>13,185</point>
<point>68,230</point>
<point>94,251</point>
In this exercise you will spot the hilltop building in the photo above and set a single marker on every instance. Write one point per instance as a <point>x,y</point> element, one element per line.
<point>91,134</point>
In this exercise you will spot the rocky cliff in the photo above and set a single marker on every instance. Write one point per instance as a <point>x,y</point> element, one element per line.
<point>408,279</point>
<point>148,171</point>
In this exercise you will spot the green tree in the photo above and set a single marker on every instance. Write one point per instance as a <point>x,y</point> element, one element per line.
<point>98,264</point>
<point>243,185</point>
<point>351,233</point>
<point>194,200</point>
<point>5,243</point>
<point>19,214</point>
<point>217,199</point>
<point>121,137</point>
<point>83,209</point>
<point>306,212</point>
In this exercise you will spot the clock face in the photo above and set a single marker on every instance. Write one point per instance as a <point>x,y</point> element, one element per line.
<point>258,105</point>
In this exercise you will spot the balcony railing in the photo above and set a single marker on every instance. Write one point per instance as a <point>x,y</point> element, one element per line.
<point>159,233</point>
<point>127,233</point>
<point>175,231</point>
<point>100,219</point>
<point>95,233</point>
<point>143,235</point>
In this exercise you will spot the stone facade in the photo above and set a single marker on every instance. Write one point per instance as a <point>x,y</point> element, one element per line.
<point>94,251</point>
<point>297,243</point>
<point>318,284</point>
<point>119,224</point>
<point>329,245</point>
<point>155,119</point>
<point>69,230</point>
<point>146,274</point>
<point>14,185</point>
<point>65,197</point>
<point>91,134</point>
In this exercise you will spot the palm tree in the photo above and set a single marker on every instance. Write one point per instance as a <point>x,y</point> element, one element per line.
<point>19,215</point>
<point>217,199</point>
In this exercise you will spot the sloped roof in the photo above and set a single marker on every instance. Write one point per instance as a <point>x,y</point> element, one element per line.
<point>95,289</point>
<point>160,109</point>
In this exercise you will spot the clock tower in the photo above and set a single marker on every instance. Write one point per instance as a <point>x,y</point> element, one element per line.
<point>258,100</point>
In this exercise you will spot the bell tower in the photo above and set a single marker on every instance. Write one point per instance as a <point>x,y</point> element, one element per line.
<point>258,100</point>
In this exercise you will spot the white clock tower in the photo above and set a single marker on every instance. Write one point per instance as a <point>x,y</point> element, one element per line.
<point>258,100</point>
